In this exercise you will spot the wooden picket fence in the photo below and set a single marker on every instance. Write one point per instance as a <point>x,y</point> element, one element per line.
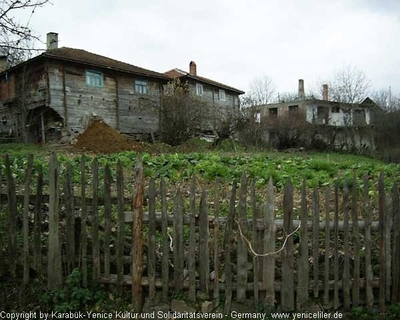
<point>333,249</point>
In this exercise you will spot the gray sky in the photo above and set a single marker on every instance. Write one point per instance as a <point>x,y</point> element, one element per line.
<point>235,41</point>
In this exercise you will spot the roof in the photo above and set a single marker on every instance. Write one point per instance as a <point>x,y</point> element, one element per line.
<point>178,73</point>
<point>92,59</point>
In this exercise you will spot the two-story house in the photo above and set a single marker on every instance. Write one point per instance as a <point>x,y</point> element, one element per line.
<point>64,87</point>
<point>223,98</point>
<point>350,122</point>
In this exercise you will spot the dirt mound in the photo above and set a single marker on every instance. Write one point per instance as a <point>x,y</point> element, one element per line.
<point>99,137</point>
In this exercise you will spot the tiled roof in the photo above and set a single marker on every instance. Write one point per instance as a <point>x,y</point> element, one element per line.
<point>174,73</point>
<point>85,57</point>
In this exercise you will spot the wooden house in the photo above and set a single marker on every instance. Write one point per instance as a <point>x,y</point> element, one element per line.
<point>59,90</point>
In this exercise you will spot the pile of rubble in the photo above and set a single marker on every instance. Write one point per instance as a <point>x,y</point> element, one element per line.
<point>99,137</point>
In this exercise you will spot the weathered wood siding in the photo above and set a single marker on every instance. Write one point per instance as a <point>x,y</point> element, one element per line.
<point>220,108</point>
<point>138,113</point>
<point>116,102</point>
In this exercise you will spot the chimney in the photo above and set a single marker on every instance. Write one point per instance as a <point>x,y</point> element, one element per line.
<point>192,68</point>
<point>301,89</point>
<point>3,63</point>
<point>325,92</point>
<point>52,40</point>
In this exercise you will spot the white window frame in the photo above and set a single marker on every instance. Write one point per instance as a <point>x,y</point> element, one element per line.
<point>199,89</point>
<point>141,87</point>
<point>221,95</point>
<point>94,79</point>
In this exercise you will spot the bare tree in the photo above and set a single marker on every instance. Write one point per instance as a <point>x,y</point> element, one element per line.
<point>349,85</point>
<point>182,113</point>
<point>17,38</point>
<point>385,100</point>
<point>261,91</point>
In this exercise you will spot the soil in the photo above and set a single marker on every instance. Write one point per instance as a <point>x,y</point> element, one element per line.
<point>100,138</point>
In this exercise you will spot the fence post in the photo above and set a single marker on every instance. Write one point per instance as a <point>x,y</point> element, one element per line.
<point>356,244</point>
<point>327,247</point>
<point>227,250</point>
<point>382,251</point>
<point>346,245</point>
<point>336,249</point>
<point>12,216</point>
<point>178,242</point>
<point>242,252</point>
<point>120,228</point>
<point>396,246</point>
<point>192,242</point>
<point>367,232</point>
<point>204,254</point>
<point>152,240</point>
<point>1,230</point>
<point>54,253</point>
<point>25,222</point>
<point>69,215</point>
<point>269,247</point>
<point>107,219</point>
<point>37,252</point>
<point>303,272</point>
<point>165,246</point>
<point>83,223</point>
<point>315,241</point>
<point>287,291</point>
<point>216,244</point>
<point>137,238</point>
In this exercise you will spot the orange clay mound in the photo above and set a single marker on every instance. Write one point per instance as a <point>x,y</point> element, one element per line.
<point>99,137</point>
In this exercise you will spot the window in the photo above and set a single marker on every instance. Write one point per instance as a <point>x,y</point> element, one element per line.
<point>221,95</point>
<point>94,79</point>
<point>293,109</point>
<point>273,112</point>
<point>199,89</point>
<point>335,109</point>
<point>140,86</point>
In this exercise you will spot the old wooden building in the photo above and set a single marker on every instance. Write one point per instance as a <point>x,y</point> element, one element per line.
<point>62,88</point>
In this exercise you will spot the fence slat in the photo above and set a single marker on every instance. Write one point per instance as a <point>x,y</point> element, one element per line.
<point>204,234</point>
<point>69,217</point>
<point>303,268</point>
<point>2,228</point>
<point>241,246</point>
<point>37,222</point>
<point>12,216</point>
<point>327,248</point>
<point>315,241</point>
<point>152,240</point>
<point>346,249</point>
<point>256,243</point>
<point>83,240</point>
<point>107,219</point>
<point>388,248</point>
<point>54,254</point>
<point>269,247</point>
<point>382,251</point>
<point>165,244</point>
<point>227,250</point>
<point>95,221</point>
<point>137,235</point>
<point>120,227</point>
<point>25,219</point>
<point>368,242</point>
<point>287,293</point>
<point>178,242</point>
<point>192,242</point>
<point>336,249</point>
<point>396,246</point>
<point>216,295</point>
<point>356,245</point>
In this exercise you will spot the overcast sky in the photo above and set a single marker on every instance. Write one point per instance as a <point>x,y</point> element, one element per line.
<point>234,41</point>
